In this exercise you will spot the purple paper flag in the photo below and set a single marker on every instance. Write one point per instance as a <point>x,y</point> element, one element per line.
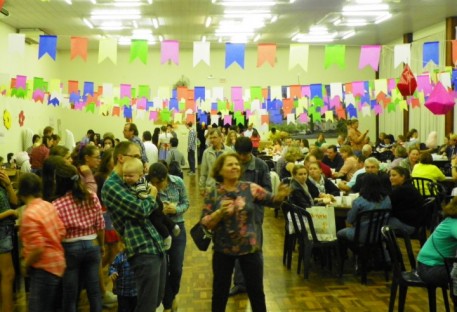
<point>369,55</point>
<point>169,51</point>
<point>377,109</point>
<point>431,52</point>
<point>358,88</point>
<point>234,52</point>
<point>48,44</point>
<point>141,103</point>
<point>237,93</point>
<point>423,84</point>
<point>153,115</point>
<point>303,118</point>
<point>239,105</point>
<point>391,84</point>
<point>126,91</point>
<point>324,109</point>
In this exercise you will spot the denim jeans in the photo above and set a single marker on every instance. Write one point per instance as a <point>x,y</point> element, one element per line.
<point>396,224</point>
<point>252,268</point>
<point>175,263</point>
<point>433,275</point>
<point>44,289</point>
<point>150,272</point>
<point>191,160</point>
<point>83,260</point>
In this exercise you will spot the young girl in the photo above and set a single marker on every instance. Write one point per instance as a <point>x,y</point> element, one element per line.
<point>255,139</point>
<point>41,232</point>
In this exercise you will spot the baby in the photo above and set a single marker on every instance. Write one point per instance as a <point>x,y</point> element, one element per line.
<point>132,171</point>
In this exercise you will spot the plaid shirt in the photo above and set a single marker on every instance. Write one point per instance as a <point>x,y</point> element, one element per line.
<point>176,193</point>
<point>138,142</point>
<point>80,218</point>
<point>192,140</point>
<point>125,282</point>
<point>130,216</point>
<point>41,227</point>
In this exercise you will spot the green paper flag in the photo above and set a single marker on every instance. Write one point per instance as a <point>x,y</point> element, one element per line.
<point>165,116</point>
<point>133,93</point>
<point>90,108</point>
<point>221,105</point>
<point>182,105</point>
<point>391,107</point>
<point>318,101</point>
<point>317,117</point>
<point>144,92</point>
<point>335,54</point>
<point>38,84</point>
<point>139,48</point>
<point>239,118</point>
<point>125,101</point>
<point>256,93</point>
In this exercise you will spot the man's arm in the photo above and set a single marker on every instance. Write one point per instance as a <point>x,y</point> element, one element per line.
<point>203,173</point>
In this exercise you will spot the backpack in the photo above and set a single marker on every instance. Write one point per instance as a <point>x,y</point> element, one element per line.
<point>175,168</point>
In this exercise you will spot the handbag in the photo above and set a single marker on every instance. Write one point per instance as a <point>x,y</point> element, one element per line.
<point>201,236</point>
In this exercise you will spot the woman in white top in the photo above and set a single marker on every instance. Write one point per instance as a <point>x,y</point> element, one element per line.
<point>164,143</point>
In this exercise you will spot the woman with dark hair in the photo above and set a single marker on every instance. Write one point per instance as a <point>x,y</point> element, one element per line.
<point>371,197</point>
<point>173,195</point>
<point>229,212</point>
<point>64,152</point>
<point>426,169</point>
<point>441,244</point>
<point>155,136</point>
<point>88,163</point>
<point>108,142</point>
<point>407,203</point>
<point>300,195</point>
<point>412,159</point>
<point>81,213</point>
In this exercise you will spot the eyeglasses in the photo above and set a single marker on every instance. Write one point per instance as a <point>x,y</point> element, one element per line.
<point>134,156</point>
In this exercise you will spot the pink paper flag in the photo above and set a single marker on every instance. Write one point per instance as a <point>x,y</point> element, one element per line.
<point>306,91</point>
<point>369,55</point>
<point>153,115</point>
<point>237,93</point>
<point>303,118</point>
<point>358,88</point>
<point>335,101</point>
<point>38,95</point>
<point>169,51</point>
<point>239,105</point>
<point>423,84</point>
<point>126,90</point>
<point>21,82</point>
<point>141,103</point>
<point>391,84</point>
<point>324,109</point>
<point>227,120</point>
<point>377,109</point>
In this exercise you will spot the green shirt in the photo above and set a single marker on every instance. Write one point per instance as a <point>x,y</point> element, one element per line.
<point>443,240</point>
<point>130,216</point>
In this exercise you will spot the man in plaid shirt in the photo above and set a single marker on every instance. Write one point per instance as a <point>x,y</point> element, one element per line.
<point>130,216</point>
<point>123,282</point>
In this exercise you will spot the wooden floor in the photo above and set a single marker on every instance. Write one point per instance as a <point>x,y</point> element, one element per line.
<point>284,290</point>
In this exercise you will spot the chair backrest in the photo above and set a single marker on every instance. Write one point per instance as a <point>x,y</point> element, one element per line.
<point>451,263</point>
<point>368,226</point>
<point>422,185</point>
<point>302,222</point>
<point>396,257</point>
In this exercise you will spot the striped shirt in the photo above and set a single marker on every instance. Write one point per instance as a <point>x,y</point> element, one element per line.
<point>175,192</point>
<point>137,141</point>
<point>125,282</point>
<point>41,227</point>
<point>130,216</point>
<point>80,218</point>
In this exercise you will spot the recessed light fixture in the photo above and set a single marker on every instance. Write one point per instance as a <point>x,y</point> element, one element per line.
<point>94,1</point>
<point>348,35</point>
<point>366,7</point>
<point>150,1</point>
<point>155,23</point>
<point>256,38</point>
<point>383,18</point>
<point>68,1</point>
<point>247,3</point>
<point>88,23</point>
<point>274,18</point>
<point>208,21</point>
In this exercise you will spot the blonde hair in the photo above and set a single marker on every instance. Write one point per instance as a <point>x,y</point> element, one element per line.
<point>133,165</point>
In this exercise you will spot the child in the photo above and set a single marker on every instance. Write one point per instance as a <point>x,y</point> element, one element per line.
<point>123,279</point>
<point>133,177</point>
<point>41,232</point>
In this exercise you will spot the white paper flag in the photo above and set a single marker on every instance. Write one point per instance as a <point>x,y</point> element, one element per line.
<point>16,43</point>
<point>201,52</point>
<point>402,54</point>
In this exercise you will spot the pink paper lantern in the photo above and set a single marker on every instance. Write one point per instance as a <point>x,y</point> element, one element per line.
<point>440,101</point>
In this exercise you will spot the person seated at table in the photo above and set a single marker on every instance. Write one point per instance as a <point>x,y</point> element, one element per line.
<point>276,149</point>
<point>320,140</point>
<point>300,194</point>
<point>349,166</point>
<point>316,155</point>
<point>426,169</point>
<point>400,153</point>
<point>407,203</point>
<point>320,188</point>
<point>411,160</point>
<point>372,196</point>
<point>372,165</point>
<point>346,186</point>
<point>332,158</point>
<point>451,149</point>
<point>442,243</point>
<point>285,164</point>
<point>380,141</point>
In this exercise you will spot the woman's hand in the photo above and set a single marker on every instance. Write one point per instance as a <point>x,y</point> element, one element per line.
<point>153,191</point>
<point>85,170</point>
<point>169,208</point>
<point>4,179</point>
<point>283,191</point>
<point>227,207</point>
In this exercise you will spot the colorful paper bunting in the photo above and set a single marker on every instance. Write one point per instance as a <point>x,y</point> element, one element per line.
<point>234,53</point>
<point>2,2</point>
<point>266,52</point>
<point>16,43</point>
<point>201,52</point>
<point>335,54</point>
<point>79,47</point>
<point>454,52</point>
<point>298,55</point>
<point>402,54</point>
<point>107,49</point>
<point>139,49</point>
<point>430,52</point>
<point>47,45</point>
<point>169,51</point>
<point>369,55</point>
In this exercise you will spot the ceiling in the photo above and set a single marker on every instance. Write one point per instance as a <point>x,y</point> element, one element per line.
<point>184,20</point>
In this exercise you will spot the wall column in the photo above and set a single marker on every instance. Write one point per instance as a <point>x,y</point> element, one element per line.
<point>451,23</point>
<point>407,38</point>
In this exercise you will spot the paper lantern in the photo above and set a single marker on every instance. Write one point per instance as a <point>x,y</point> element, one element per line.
<point>440,101</point>
<point>407,84</point>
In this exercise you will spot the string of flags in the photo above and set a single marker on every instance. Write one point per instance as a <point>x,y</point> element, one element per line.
<point>234,52</point>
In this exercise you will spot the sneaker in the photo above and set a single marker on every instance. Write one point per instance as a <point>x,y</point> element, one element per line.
<point>237,290</point>
<point>109,298</point>
<point>176,230</point>
<point>191,173</point>
<point>167,243</point>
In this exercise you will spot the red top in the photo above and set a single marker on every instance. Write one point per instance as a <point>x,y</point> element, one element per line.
<point>326,170</point>
<point>255,141</point>
<point>38,155</point>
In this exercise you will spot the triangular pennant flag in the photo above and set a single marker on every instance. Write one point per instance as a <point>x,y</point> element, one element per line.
<point>201,52</point>
<point>48,44</point>
<point>298,55</point>
<point>2,2</point>
<point>16,43</point>
<point>369,55</point>
<point>139,49</point>
<point>335,54</point>
<point>107,48</point>
<point>266,52</point>
<point>234,53</point>
<point>431,52</point>
<point>402,54</point>
<point>79,47</point>
<point>169,51</point>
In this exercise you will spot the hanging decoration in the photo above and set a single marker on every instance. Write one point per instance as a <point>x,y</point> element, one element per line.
<point>21,118</point>
<point>369,55</point>
<point>16,44</point>
<point>335,54</point>
<point>139,49</point>
<point>266,52</point>
<point>298,55</point>
<point>234,53</point>
<point>107,49</point>
<point>47,45</point>
<point>169,51</point>
<point>431,52</point>
<point>440,101</point>
<point>7,119</point>
<point>201,52</point>
<point>79,47</point>
<point>402,54</point>
<point>407,84</point>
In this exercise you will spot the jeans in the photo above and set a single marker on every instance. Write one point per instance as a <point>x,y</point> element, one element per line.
<point>252,268</point>
<point>396,224</point>
<point>83,260</point>
<point>191,160</point>
<point>44,289</point>
<point>175,263</point>
<point>126,304</point>
<point>150,272</point>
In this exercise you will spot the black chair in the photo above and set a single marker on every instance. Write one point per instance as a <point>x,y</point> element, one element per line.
<point>367,240</point>
<point>450,263</point>
<point>309,242</point>
<point>421,232</point>
<point>289,238</point>
<point>403,279</point>
<point>422,185</point>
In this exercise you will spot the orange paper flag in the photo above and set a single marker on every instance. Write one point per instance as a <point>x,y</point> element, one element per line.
<point>266,52</point>
<point>454,52</point>
<point>79,47</point>
<point>295,91</point>
<point>2,2</point>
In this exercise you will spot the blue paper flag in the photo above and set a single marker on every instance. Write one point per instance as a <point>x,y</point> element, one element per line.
<point>234,52</point>
<point>127,111</point>
<point>352,111</point>
<point>174,94</point>
<point>199,93</point>
<point>149,105</point>
<point>454,78</point>
<point>271,105</point>
<point>88,89</point>
<point>276,118</point>
<point>48,44</point>
<point>431,52</point>
<point>173,105</point>
<point>54,102</point>
<point>316,90</point>
<point>373,104</point>
<point>74,98</point>
<point>203,117</point>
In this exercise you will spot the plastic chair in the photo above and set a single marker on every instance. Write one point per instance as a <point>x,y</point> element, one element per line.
<point>422,185</point>
<point>289,238</point>
<point>367,239</point>
<point>403,279</point>
<point>421,232</point>
<point>308,241</point>
<point>450,263</point>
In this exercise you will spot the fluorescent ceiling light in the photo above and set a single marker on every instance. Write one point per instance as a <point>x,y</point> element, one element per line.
<point>247,11</point>
<point>274,19</point>
<point>249,16</point>
<point>291,1</point>
<point>234,24</point>
<point>111,24</point>
<point>150,1</point>
<point>366,7</point>
<point>88,23</point>
<point>110,17</point>
<point>127,4</point>
<point>318,30</point>
<point>109,28</point>
<point>247,3</point>
<point>155,23</point>
<point>94,1</point>
<point>142,32</point>
<point>208,21</point>
<point>365,13</point>
<point>203,38</point>
<point>355,22</point>
<point>115,12</point>
<point>256,38</point>
<point>348,35</point>
<point>314,39</point>
<point>135,24</point>
<point>368,1</point>
<point>383,18</point>
<point>238,39</point>
<point>68,1</point>
<point>219,40</point>
<point>337,22</point>
<point>234,32</point>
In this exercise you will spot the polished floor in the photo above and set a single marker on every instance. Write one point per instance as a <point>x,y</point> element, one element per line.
<point>285,290</point>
